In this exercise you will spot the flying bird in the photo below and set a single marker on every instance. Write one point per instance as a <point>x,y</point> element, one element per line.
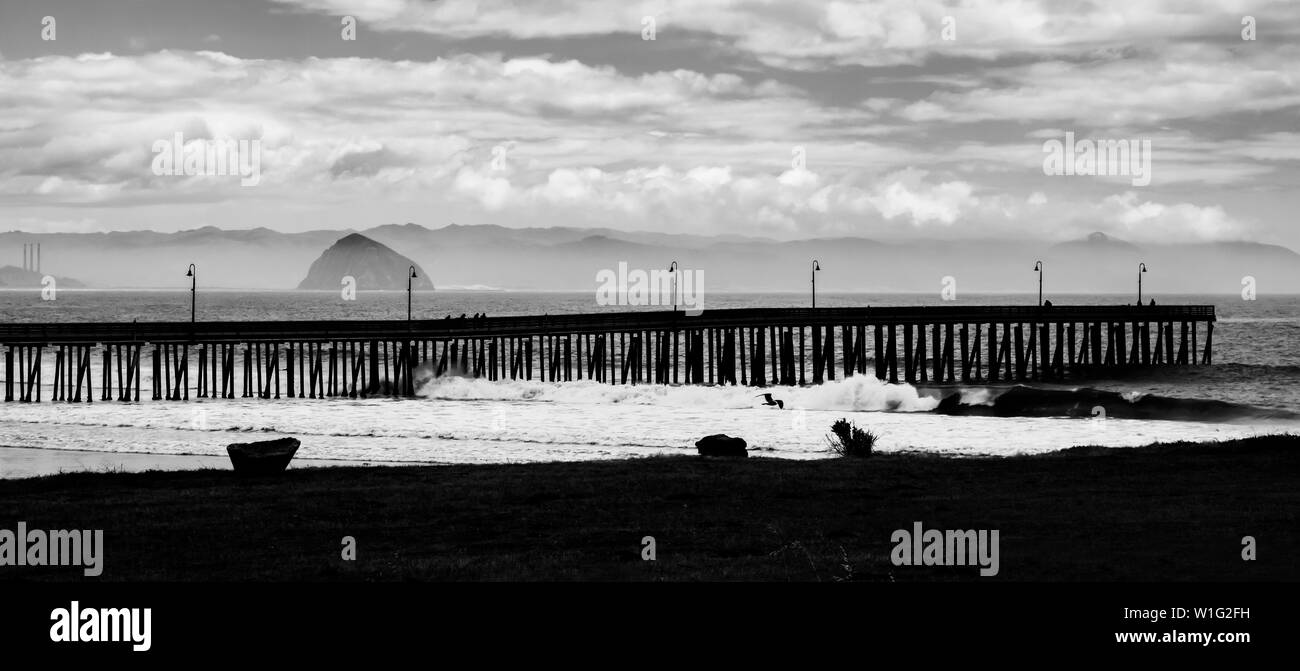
<point>768,400</point>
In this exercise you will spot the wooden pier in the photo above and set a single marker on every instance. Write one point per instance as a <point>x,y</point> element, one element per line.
<point>756,347</point>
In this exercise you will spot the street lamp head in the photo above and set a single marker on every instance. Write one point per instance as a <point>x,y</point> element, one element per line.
<point>672,267</point>
<point>1038,266</point>
<point>413,275</point>
<point>1142,267</point>
<point>190,272</point>
<point>816,266</point>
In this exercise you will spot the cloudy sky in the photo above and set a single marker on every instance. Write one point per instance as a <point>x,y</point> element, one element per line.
<point>779,118</point>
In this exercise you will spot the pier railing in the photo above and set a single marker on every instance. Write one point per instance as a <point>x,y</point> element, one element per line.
<point>600,322</point>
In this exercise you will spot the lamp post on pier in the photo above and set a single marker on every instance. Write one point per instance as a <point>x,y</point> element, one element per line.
<point>815,269</point>
<point>672,268</point>
<point>1038,267</point>
<point>409,277</point>
<point>192,273</point>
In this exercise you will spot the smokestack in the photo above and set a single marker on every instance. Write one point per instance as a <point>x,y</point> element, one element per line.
<point>24,256</point>
<point>38,257</point>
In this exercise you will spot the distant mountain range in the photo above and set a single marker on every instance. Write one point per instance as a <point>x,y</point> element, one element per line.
<point>569,259</point>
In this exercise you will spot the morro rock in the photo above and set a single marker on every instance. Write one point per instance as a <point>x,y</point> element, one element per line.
<point>374,267</point>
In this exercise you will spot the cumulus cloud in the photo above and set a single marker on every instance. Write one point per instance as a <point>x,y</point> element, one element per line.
<point>1147,87</point>
<point>806,33</point>
<point>87,120</point>
<point>818,130</point>
<point>905,195</point>
<point>1136,218</point>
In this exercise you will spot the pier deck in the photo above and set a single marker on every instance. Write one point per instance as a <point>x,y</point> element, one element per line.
<point>758,347</point>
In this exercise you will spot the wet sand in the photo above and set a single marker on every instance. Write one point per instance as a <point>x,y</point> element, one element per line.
<point>27,462</point>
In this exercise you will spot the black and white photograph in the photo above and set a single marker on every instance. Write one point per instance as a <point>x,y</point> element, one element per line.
<point>964,321</point>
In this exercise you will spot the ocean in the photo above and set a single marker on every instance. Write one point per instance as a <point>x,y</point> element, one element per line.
<point>1251,389</point>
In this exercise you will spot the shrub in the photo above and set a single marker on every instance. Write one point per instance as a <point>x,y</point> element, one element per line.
<point>850,441</point>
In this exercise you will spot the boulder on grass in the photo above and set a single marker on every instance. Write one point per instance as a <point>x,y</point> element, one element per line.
<point>262,457</point>
<point>721,445</point>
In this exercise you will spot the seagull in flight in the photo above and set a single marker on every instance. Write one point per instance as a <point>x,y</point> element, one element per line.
<point>768,400</point>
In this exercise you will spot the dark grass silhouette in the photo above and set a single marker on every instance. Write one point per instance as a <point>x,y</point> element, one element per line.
<point>1171,512</point>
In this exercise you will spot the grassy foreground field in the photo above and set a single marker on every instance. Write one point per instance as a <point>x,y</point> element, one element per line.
<point>1165,512</point>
